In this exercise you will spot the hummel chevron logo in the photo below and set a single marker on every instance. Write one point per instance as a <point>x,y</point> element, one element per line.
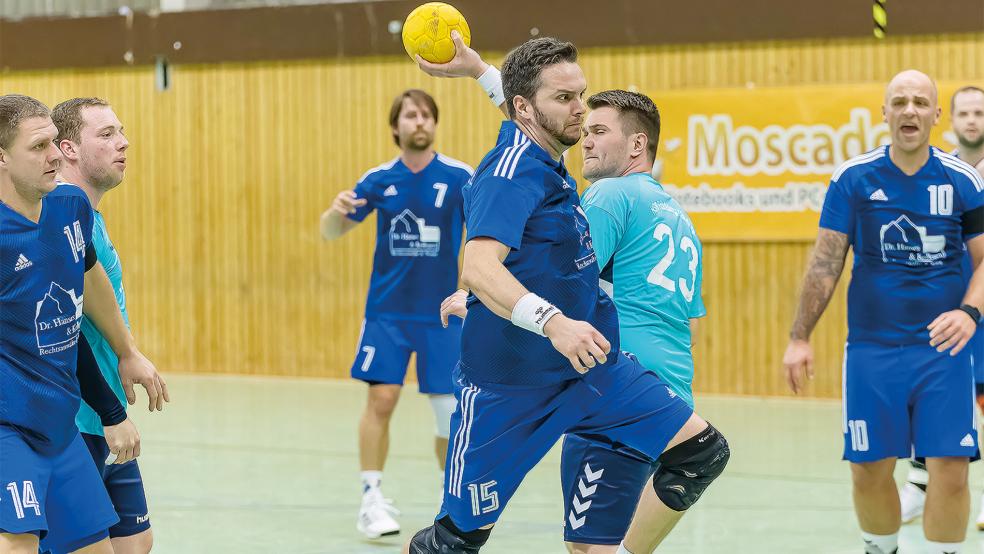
<point>586,491</point>
<point>576,522</point>
<point>878,195</point>
<point>579,507</point>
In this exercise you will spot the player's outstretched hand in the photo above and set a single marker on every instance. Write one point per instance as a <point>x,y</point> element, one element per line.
<point>456,304</point>
<point>578,341</point>
<point>951,331</point>
<point>136,368</point>
<point>465,63</point>
<point>347,202</point>
<point>798,361</point>
<point>124,442</point>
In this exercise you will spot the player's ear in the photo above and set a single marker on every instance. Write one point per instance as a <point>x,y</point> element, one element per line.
<point>884,114</point>
<point>67,149</point>
<point>3,157</point>
<point>523,107</point>
<point>639,143</point>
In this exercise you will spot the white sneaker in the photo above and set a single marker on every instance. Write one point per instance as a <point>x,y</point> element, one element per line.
<point>376,516</point>
<point>980,517</point>
<point>913,500</point>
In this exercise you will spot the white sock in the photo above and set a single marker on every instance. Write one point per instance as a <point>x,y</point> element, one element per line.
<point>371,480</point>
<point>622,549</point>
<point>943,547</point>
<point>885,544</point>
<point>918,476</point>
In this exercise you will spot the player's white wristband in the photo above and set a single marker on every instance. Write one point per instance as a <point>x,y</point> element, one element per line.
<point>532,312</point>
<point>491,83</point>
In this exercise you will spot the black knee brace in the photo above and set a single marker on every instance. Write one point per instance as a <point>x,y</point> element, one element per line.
<point>444,537</point>
<point>687,469</point>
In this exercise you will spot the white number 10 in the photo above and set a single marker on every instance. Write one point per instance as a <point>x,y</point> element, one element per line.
<point>940,199</point>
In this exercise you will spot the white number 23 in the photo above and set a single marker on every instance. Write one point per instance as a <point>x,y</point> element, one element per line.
<point>658,274</point>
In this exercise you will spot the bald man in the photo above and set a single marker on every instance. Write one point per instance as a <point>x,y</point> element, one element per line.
<point>908,210</point>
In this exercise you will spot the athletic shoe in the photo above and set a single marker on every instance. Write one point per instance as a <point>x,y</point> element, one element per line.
<point>913,500</point>
<point>980,517</point>
<point>376,516</point>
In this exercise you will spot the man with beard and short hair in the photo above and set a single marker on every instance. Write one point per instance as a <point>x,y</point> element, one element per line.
<point>533,369</point>
<point>967,119</point>
<point>50,278</point>
<point>908,211</point>
<point>93,147</point>
<point>419,228</point>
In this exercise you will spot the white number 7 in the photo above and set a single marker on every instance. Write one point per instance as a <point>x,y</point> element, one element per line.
<point>442,189</point>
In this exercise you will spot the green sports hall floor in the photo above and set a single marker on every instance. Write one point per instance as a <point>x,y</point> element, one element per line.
<point>266,465</point>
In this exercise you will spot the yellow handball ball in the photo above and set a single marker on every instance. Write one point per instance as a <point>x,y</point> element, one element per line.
<point>427,31</point>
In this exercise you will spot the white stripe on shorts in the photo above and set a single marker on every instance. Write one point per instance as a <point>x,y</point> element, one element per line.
<point>461,439</point>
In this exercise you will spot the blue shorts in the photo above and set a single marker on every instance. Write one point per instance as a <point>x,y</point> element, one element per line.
<point>60,499</point>
<point>385,347</point>
<point>902,401</point>
<point>499,435</point>
<point>125,487</point>
<point>976,347</point>
<point>602,484</point>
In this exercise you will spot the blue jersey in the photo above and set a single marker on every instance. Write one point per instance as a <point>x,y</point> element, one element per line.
<point>41,279</point>
<point>87,419</point>
<point>527,201</point>
<point>908,237</point>
<point>651,258</point>
<point>418,236</point>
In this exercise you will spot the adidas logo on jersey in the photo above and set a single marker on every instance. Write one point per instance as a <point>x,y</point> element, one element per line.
<point>22,263</point>
<point>390,191</point>
<point>878,195</point>
<point>967,440</point>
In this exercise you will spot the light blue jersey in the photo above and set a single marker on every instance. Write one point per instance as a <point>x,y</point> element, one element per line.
<point>87,420</point>
<point>651,258</point>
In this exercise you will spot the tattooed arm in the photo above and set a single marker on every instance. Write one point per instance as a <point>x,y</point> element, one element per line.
<point>822,275</point>
<point>826,266</point>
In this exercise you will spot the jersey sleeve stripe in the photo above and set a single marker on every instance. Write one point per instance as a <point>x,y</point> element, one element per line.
<point>857,160</point>
<point>378,168</point>
<point>456,163</point>
<point>963,167</point>
<point>511,157</point>
<point>502,159</point>
<point>506,154</point>
<point>512,168</point>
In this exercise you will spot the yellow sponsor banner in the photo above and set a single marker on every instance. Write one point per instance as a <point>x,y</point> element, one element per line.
<point>754,164</point>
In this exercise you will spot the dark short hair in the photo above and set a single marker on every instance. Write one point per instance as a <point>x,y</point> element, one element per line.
<point>419,98</point>
<point>15,108</point>
<point>969,88</point>
<point>523,66</point>
<point>637,112</point>
<point>68,117</point>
